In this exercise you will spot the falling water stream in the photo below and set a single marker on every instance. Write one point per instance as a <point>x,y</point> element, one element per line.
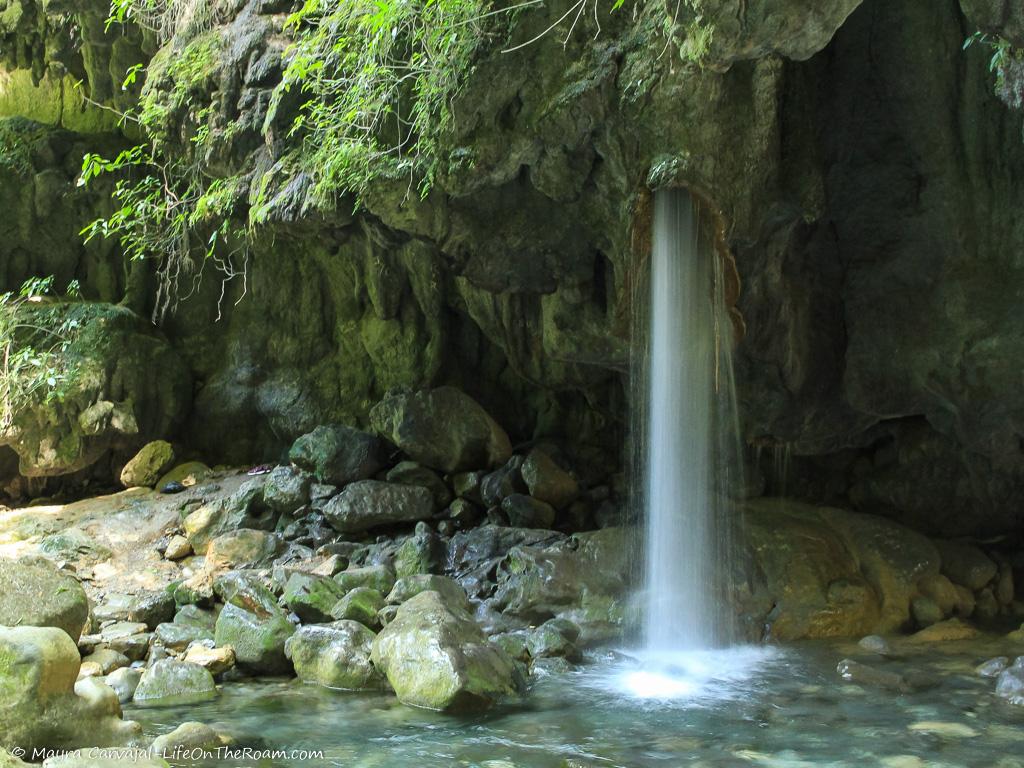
<point>689,460</point>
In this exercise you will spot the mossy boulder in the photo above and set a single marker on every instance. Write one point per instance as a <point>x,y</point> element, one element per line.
<point>411,473</point>
<point>239,510</point>
<point>287,489</point>
<point>335,655</point>
<point>258,637</point>
<point>362,604</point>
<point>38,704</point>
<point>148,465</point>
<point>443,428</point>
<point>423,552</point>
<point>338,455</point>
<point>244,548</point>
<point>173,682</point>
<point>312,597</point>
<point>408,587</point>
<point>436,657</point>
<point>36,594</point>
<point>378,577</point>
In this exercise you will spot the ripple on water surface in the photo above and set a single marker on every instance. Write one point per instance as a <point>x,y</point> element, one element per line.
<point>719,709</point>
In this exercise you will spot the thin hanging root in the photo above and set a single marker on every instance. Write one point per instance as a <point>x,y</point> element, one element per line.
<point>533,40</point>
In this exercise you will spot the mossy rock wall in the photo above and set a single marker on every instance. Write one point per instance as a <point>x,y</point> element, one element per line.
<point>866,175</point>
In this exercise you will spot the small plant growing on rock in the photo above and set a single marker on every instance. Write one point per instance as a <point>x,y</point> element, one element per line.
<point>33,340</point>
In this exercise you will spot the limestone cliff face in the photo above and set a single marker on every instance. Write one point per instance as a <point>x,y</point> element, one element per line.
<point>863,168</point>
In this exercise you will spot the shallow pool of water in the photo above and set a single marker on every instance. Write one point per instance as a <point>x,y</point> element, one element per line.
<point>781,707</point>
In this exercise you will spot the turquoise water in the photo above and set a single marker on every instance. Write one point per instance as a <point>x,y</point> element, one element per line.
<point>787,708</point>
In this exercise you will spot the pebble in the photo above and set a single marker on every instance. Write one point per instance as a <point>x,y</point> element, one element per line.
<point>944,730</point>
<point>178,548</point>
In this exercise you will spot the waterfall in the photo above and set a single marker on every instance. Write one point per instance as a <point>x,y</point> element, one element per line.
<point>689,435</point>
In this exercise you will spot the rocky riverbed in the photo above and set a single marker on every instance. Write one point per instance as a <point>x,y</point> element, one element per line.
<point>430,565</point>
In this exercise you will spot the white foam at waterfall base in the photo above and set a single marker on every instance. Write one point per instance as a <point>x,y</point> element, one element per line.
<point>691,678</point>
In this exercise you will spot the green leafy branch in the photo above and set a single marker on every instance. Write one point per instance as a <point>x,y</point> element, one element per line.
<point>33,341</point>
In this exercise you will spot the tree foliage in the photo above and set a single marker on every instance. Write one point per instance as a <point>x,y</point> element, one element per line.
<point>34,366</point>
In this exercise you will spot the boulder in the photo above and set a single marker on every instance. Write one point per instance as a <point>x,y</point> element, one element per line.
<point>244,548</point>
<point>467,485</point>
<point>526,512</point>
<point>411,473</point>
<point>149,608</point>
<point>38,704</point>
<point>442,428</point>
<point>502,482</point>
<point>422,552</point>
<point>189,474</point>
<point>190,736</point>
<point>107,660</point>
<point>148,465</point>
<point>368,504</point>
<point>992,667</point>
<point>863,674</point>
<point>362,604</point>
<point>547,481</point>
<point>175,682</point>
<point>99,697</point>
<point>822,572</point>
<point>438,658</point>
<point>184,630</point>
<point>258,637</point>
<point>239,510</point>
<point>287,489</point>
<point>124,681</point>
<point>338,455</point>
<point>925,611</point>
<point>553,639</point>
<point>583,578</point>
<point>35,594</point>
<point>216,660</point>
<point>965,564</point>
<point>378,577</point>
<point>312,597</point>
<point>408,587</point>
<point>335,655</point>
<point>949,630</point>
